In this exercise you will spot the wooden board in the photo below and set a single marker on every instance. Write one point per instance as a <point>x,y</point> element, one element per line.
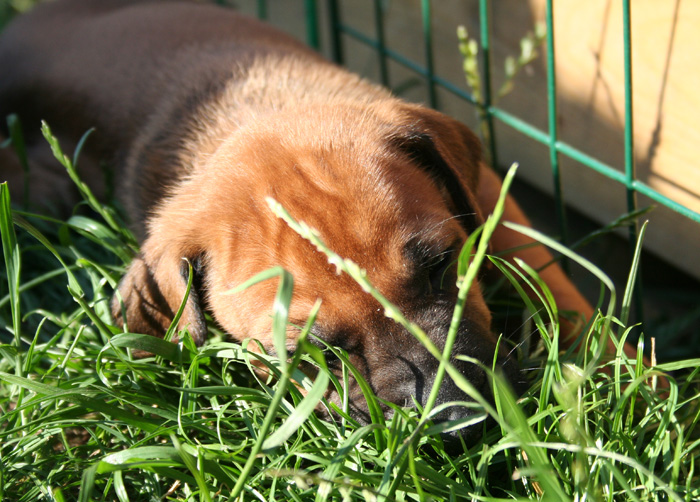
<point>666,79</point>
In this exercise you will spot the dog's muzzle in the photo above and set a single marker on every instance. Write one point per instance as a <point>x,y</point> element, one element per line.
<point>400,370</point>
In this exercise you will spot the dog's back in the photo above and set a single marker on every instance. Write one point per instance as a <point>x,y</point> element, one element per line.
<point>123,55</point>
<point>113,65</point>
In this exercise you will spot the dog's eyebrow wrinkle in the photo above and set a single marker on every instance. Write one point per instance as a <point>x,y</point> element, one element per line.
<point>430,231</point>
<point>423,244</point>
<point>421,251</point>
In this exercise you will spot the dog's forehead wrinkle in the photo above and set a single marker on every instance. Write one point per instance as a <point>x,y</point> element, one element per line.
<point>430,240</point>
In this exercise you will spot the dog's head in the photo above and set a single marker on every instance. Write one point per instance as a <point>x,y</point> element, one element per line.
<point>391,189</point>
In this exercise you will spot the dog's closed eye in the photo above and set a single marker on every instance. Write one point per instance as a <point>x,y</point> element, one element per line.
<point>431,265</point>
<point>438,271</point>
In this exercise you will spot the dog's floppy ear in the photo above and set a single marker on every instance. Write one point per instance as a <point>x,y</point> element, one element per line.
<point>450,153</point>
<point>154,287</point>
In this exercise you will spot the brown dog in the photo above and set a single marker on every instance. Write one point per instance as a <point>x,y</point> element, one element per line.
<point>203,113</point>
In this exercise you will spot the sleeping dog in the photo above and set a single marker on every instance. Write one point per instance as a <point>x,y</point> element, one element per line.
<point>203,114</point>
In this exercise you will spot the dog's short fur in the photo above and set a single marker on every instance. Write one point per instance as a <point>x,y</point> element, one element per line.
<point>203,113</point>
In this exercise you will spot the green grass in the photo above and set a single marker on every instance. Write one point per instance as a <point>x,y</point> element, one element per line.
<point>80,419</point>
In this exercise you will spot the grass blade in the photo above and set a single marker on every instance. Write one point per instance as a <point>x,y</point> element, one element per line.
<point>13,264</point>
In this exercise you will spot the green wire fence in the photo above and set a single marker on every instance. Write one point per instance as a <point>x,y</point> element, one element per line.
<point>550,137</point>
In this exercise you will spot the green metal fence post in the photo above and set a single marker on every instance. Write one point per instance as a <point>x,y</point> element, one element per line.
<point>381,44</point>
<point>629,123</point>
<point>485,107</point>
<point>630,174</point>
<point>426,15</point>
<point>552,119</point>
<point>336,39</point>
<point>262,9</point>
<point>312,31</point>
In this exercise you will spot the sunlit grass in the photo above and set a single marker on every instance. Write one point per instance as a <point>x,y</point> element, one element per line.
<point>80,419</point>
